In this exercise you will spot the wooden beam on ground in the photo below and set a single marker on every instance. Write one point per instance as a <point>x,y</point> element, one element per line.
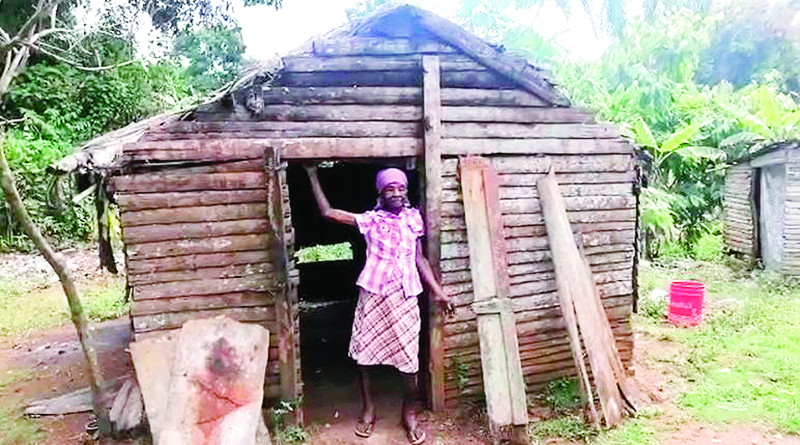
<point>432,123</point>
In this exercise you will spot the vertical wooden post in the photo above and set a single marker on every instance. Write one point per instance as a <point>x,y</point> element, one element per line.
<point>432,107</point>
<point>285,305</point>
<point>104,246</point>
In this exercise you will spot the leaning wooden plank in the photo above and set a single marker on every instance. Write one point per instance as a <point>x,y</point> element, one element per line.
<point>577,295</point>
<point>503,382</point>
<point>538,146</point>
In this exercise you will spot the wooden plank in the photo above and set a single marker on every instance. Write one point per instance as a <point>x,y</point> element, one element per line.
<point>286,306</point>
<point>342,113</point>
<point>161,249</point>
<point>160,322</point>
<point>566,164</point>
<point>377,46</point>
<point>298,148</point>
<point>193,261</point>
<point>514,114</point>
<point>483,79</point>
<point>518,71</point>
<point>292,129</point>
<point>204,273</point>
<point>537,146</point>
<point>568,190</point>
<point>521,220</point>
<point>504,130</point>
<point>503,381</point>
<point>165,232</point>
<point>170,182</point>
<point>304,63</point>
<point>201,302</point>
<point>473,98</point>
<point>207,214</point>
<point>248,283</point>
<point>148,201</point>
<point>574,203</point>
<point>432,105</point>
<point>578,296</point>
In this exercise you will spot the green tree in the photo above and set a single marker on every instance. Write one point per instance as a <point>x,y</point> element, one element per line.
<point>213,56</point>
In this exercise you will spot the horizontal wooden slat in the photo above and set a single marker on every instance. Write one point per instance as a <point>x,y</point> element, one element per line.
<point>503,130</point>
<point>249,283</point>
<point>567,190</point>
<point>576,217</point>
<point>170,182</point>
<point>508,114</point>
<point>288,129</point>
<point>560,164</point>
<point>305,63</point>
<point>192,261</point>
<point>232,243</point>
<point>201,302</point>
<point>146,201</point>
<point>472,99</point>
<point>378,46</point>
<point>204,214</point>
<point>148,323</point>
<point>453,146</point>
<point>531,206</point>
<point>449,79</point>
<point>203,273</point>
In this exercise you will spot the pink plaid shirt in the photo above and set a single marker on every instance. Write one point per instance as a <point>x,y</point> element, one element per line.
<point>391,250</point>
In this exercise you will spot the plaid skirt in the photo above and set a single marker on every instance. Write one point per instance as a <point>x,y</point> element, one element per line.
<point>386,330</point>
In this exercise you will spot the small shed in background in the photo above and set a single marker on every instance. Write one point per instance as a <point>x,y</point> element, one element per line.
<point>214,201</point>
<point>761,208</point>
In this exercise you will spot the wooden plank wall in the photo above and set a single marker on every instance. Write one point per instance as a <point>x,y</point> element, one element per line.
<point>196,244</point>
<point>599,195</point>
<point>738,202</point>
<point>791,222</point>
<point>362,98</point>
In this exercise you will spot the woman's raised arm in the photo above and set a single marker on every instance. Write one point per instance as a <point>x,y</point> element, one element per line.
<point>340,216</point>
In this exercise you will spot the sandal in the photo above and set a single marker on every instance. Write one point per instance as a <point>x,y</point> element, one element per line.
<point>416,436</point>
<point>364,428</point>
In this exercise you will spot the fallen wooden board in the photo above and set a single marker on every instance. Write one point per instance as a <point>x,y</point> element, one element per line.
<point>152,359</point>
<point>502,370</point>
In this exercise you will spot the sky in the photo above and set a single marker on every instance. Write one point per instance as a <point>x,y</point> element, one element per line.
<point>268,32</point>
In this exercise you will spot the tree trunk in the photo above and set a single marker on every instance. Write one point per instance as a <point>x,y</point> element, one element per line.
<point>60,268</point>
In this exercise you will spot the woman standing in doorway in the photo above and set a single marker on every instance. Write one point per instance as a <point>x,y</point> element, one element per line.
<point>386,326</point>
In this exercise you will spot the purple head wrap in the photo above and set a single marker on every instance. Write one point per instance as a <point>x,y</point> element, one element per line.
<point>388,176</point>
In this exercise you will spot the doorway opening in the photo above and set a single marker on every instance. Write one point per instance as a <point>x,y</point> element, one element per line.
<point>329,258</point>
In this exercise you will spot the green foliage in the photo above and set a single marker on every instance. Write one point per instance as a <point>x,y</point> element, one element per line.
<point>566,427</point>
<point>461,372</point>
<point>563,395</point>
<point>709,247</point>
<point>213,56</point>
<point>634,432</point>
<point>283,431</point>
<point>331,252</point>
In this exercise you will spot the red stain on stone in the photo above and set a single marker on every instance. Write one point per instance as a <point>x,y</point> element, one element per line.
<point>220,390</point>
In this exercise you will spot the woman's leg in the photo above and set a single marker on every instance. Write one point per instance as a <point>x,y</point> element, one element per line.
<point>367,405</point>
<point>409,400</point>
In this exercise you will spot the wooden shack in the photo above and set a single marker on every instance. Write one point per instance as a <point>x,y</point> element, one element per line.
<point>760,211</point>
<point>214,202</point>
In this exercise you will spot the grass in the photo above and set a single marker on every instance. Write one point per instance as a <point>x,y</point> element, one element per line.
<point>330,252</point>
<point>743,363</point>
<point>16,428</point>
<point>26,307</point>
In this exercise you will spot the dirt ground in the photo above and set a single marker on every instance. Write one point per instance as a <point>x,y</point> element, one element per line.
<point>51,363</point>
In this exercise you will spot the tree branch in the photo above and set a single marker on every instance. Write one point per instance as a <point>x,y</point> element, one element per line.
<point>59,266</point>
<point>74,63</point>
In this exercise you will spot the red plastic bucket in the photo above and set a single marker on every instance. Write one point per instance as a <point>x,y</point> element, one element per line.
<point>686,302</point>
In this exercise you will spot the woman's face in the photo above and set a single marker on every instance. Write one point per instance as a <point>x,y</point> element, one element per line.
<point>393,196</point>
